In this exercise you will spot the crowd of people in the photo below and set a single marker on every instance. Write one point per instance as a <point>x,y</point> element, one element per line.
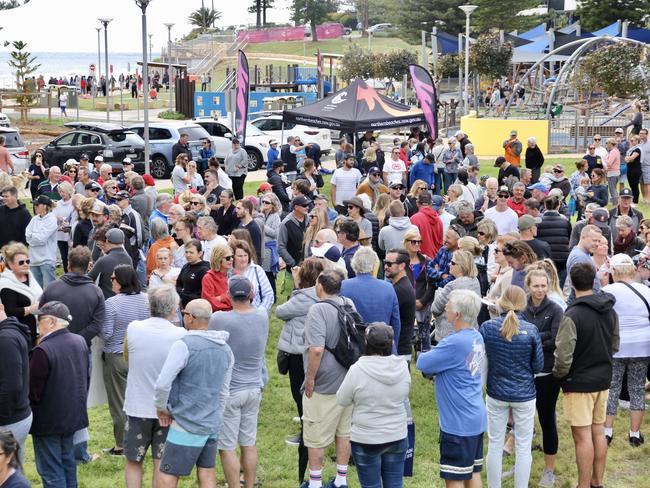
<point>502,290</point>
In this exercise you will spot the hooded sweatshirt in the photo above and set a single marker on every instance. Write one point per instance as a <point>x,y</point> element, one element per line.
<point>392,236</point>
<point>430,226</point>
<point>15,344</point>
<point>376,387</point>
<point>41,237</point>
<point>14,222</point>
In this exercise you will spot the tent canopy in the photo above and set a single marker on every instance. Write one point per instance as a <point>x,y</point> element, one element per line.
<point>534,32</point>
<point>356,108</point>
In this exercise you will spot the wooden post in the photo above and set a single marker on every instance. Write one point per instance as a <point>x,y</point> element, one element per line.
<point>271,75</point>
<point>49,105</point>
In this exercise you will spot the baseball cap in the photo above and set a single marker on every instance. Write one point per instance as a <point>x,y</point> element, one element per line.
<point>538,186</point>
<point>625,192</point>
<point>558,167</point>
<point>301,201</point>
<point>527,221</point>
<point>115,236</point>
<point>379,335</point>
<point>71,161</point>
<point>127,161</point>
<point>328,251</point>
<point>122,195</point>
<point>437,202</point>
<point>513,132</point>
<point>499,161</point>
<point>374,170</point>
<point>619,130</point>
<point>320,196</point>
<point>43,200</point>
<point>99,158</point>
<point>148,180</point>
<point>264,187</point>
<point>83,157</point>
<point>395,185</point>
<point>273,141</point>
<point>278,163</point>
<point>620,260</point>
<point>99,208</point>
<point>55,309</point>
<point>239,287</point>
<point>601,217</point>
<point>92,185</point>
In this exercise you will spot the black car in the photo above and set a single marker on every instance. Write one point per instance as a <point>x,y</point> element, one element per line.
<point>112,141</point>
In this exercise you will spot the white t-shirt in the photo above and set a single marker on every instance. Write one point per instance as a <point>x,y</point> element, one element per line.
<point>155,281</point>
<point>633,322</point>
<point>505,221</point>
<point>395,170</point>
<point>208,246</point>
<point>602,152</point>
<point>346,183</point>
<point>178,173</point>
<point>470,193</point>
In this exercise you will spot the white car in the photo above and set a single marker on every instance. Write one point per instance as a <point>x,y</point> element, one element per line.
<point>272,125</point>
<point>256,144</point>
<point>17,149</point>
<point>4,120</point>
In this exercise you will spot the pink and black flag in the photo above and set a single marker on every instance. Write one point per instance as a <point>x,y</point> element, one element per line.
<point>425,91</point>
<point>241,101</point>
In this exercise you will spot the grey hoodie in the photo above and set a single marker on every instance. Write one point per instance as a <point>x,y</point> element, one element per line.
<point>376,387</point>
<point>294,312</point>
<point>392,236</point>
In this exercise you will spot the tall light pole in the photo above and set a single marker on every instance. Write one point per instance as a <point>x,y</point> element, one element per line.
<point>143,4</point>
<point>150,48</point>
<point>105,23</point>
<point>468,9</point>
<point>169,56</point>
<point>99,63</point>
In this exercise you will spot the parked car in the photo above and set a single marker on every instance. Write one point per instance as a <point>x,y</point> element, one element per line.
<point>375,29</point>
<point>162,137</point>
<point>347,31</point>
<point>271,124</point>
<point>17,149</point>
<point>256,144</point>
<point>111,141</point>
<point>4,120</point>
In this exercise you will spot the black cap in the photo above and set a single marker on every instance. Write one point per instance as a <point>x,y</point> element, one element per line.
<point>43,200</point>
<point>301,201</point>
<point>625,192</point>
<point>84,156</point>
<point>499,161</point>
<point>278,163</point>
<point>379,335</point>
<point>92,185</point>
<point>55,309</point>
<point>122,195</point>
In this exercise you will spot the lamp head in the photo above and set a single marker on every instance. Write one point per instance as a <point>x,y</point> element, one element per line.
<point>105,21</point>
<point>169,25</point>
<point>468,9</point>
<point>143,4</point>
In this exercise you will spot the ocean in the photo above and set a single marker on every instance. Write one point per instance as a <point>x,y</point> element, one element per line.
<point>66,64</point>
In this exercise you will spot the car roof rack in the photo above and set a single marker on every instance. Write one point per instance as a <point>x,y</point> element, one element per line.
<point>96,126</point>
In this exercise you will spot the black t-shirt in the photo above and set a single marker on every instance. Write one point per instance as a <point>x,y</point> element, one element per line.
<point>256,236</point>
<point>541,248</point>
<point>213,196</point>
<point>406,299</point>
<point>504,174</point>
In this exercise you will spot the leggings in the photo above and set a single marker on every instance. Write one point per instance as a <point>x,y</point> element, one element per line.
<point>296,379</point>
<point>63,250</point>
<point>548,389</point>
<point>633,178</point>
<point>612,182</point>
<point>637,368</point>
<point>238,186</point>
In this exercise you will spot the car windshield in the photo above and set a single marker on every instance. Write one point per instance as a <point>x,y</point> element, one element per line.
<point>195,133</point>
<point>12,139</point>
<point>251,130</point>
<point>126,138</point>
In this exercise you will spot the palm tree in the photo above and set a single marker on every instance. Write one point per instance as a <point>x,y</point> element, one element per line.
<point>204,17</point>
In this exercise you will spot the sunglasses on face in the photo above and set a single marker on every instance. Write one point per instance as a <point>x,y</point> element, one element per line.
<point>113,278</point>
<point>557,171</point>
<point>228,258</point>
<point>481,233</point>
<point>388,264</point>
<point>266,202</point>
<point>416,242</point>
<point>592,148</point>
<point>350,207</point>
<point>313,216</point>
<point>94,189</point>
<point>22,262</point>
<point>597,139</point>
<point>503,195</point>
<point>196,203</point>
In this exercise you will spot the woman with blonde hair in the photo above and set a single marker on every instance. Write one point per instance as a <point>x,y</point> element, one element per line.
<point>487,234</point>
<point>214,285</point>
<point>381,209</point>
<point>271,210</point>
<point>514,354</point>
<point>369,159</point>
<point>317,221</point>
<point>84,225</point>
<point>410,203</point>
<point>471,244</point>
<point>555,293</point>
<point>502,275</point>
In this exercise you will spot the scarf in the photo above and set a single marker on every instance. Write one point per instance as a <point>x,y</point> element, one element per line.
<point>33,291</point>
<point>621,244</point>
<point>376,189</point>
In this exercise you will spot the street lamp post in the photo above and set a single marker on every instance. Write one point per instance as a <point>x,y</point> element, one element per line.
<point>105,23</point>
<point>468,9</point>
<point>150,48</point>
<point>99,53</point>
<point>169,58</point>
<point>143,4</point>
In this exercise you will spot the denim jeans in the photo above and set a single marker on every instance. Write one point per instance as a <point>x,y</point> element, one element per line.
<point>448,179</point>
<point>54,456</point>
<point>523,414</point>
<point>380,465</point>
<point>44,274</point>
<point>437,181</point>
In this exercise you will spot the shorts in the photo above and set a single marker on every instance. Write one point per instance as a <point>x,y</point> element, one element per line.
<point>323,419</point>
<point>240,420</point>
<point>584,409</point>
<point>141,433</point>
<point>460,456</point>
<point>645,172</point>
<point>183,451</point>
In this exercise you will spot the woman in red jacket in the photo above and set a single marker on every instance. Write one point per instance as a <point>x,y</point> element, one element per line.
<point>214,287</point>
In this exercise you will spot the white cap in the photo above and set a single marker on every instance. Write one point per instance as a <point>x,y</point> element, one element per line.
<point>99,158</point>
<point>620,260</point>
<point>71,161</point>
<point>127,161</point>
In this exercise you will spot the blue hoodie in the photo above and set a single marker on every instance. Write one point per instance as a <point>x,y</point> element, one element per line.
<point>422,171</point>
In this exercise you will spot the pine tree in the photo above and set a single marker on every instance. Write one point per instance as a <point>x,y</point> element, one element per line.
<point>596,14</point>
<point>502,15</point>
<point>313,12</point>
<point>415,16</point>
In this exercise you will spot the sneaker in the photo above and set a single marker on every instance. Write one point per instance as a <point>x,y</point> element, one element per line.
<point>293,440</point>
<point>330,484</point>
<point>113,451</point>
<point>296,420</point>
<point>548,479</point>
<point>508,474</point>
<point>637,441</point>
<point>609,439</point>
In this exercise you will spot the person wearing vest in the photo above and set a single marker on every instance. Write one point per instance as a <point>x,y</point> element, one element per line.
<point>59,376</point>
<point>190,396</point>
<point>586,341</point>
<point>289,159</point>
<point>513,149</point>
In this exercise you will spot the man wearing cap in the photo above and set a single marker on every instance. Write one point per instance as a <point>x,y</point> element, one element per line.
<point>321,201</point>
<point>248,330</point>
<point>429,224</point>
<point>197,371</point>
<point>132,226</point>
<point>538,191</point>
<point>84,162</point>
<point>328,250</point>
<point>291,233</point>
<point>114,254</point>
<point>127,165</point>
<point>624,207</point>
<point>451,159</point>
<point>589,239</point>
<point>344,183</point>
<point>527,226</point>
<point>438,204</point>
<point>99,218</point>
<point>425,171</point>
<point>621,143</point>
<point>594,215</point>
<point>49,186</point>
<point>513,148</point>
<point>279,184</point>
<point>372,185</point>
<point>506,170</point>
<point>559,180</point>
<point>272,155</point>
<point>97,162</point>
<point>92,189</point>
<point>58,387</point>
<point>394,170</point>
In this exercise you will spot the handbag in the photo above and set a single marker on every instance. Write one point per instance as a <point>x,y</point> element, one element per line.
<point>647,305</point>
<point>283,362</point>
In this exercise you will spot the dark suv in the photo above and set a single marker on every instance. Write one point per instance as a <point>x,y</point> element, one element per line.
<point>112,141</point>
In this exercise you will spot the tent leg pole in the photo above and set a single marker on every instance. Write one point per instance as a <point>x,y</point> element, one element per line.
<point>281,136</point>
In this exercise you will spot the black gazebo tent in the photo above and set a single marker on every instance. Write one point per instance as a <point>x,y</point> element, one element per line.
<point>356,108</point>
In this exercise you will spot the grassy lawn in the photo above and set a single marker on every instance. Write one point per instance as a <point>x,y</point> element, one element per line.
<point>626,466</point>
<point>130,103</point>
<point>332,46</point>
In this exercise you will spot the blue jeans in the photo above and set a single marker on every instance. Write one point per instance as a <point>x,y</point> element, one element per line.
<point>44,274</point>
<point>54,456</point>
<point>449,179</point>
<point>437,181</point>
<point>380,465</point>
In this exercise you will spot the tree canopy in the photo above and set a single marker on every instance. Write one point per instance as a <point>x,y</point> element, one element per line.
<point>596,14</point>
<point>313,12</point>
<point>204,18</point>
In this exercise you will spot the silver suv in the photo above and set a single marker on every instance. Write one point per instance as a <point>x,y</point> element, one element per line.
<point>14,143</point>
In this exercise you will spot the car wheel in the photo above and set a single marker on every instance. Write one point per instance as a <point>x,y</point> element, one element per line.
<point>254,159</point>
<point>159,168</point>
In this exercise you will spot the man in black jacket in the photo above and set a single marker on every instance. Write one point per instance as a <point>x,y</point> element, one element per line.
<point>182,147</point>
<point>289,158</point>
<point>114,254</point>
<point>586,341</point>
<point>291,232</point>
<point>279,186</point>
<point>14,217</point>
<point>395,265</point>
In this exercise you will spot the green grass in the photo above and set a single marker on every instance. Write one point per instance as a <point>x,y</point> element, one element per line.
<point>277,468</point>
<point>331,46</point>
<point>130,103</point>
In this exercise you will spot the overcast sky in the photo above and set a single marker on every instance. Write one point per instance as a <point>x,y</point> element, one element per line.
<point>69,25</point>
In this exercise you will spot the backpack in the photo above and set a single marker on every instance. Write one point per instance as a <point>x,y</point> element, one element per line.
<point>350,345</point>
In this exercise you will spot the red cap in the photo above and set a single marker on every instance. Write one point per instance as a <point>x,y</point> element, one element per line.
<point>148,180</point>
<point>264,187</point>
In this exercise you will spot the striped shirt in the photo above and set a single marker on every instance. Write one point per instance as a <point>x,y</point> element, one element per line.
<point>121,310</point>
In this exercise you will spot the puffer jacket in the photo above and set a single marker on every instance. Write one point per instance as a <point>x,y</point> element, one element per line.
<point>512,365</point>
<point>546,318</point>
<point>294,313</point>
<point>556,230</point>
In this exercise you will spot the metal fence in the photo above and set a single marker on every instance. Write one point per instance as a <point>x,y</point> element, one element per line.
<point>573,129</point>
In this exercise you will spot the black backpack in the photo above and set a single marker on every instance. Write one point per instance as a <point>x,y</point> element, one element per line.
<point>350,345</point>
